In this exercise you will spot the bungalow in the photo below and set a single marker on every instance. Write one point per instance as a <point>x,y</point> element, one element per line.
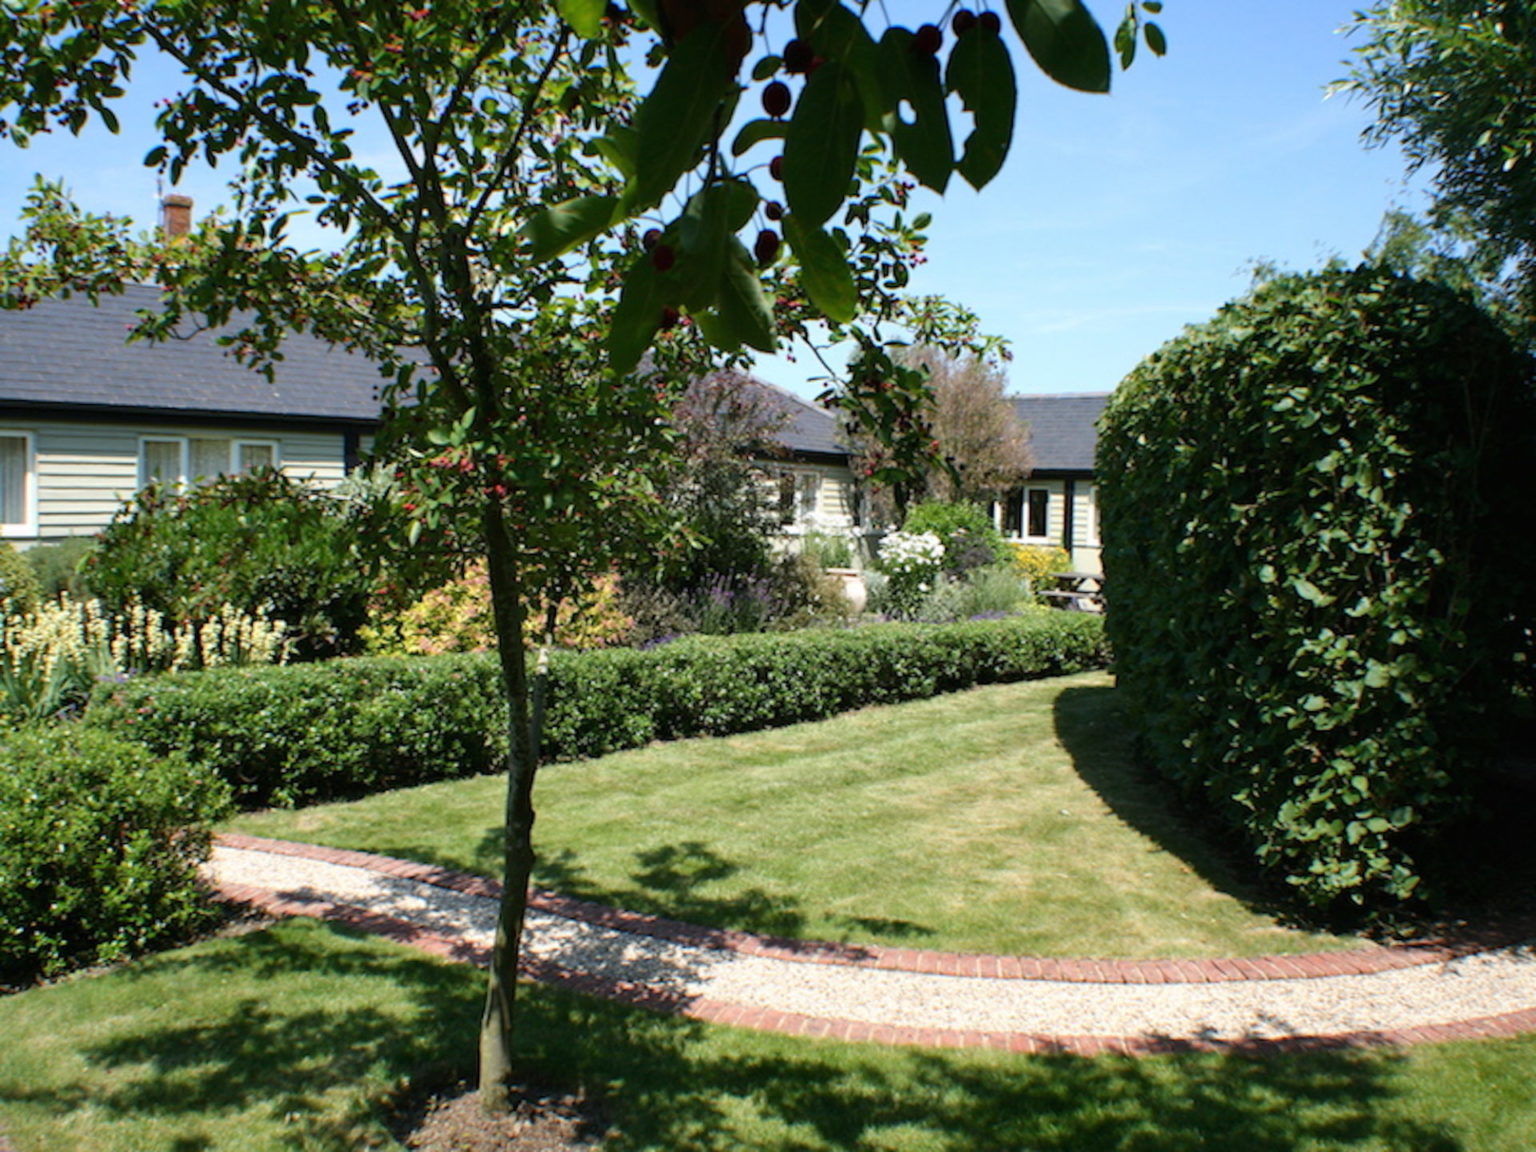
<point>1058,504</point>
<point>87,419</point>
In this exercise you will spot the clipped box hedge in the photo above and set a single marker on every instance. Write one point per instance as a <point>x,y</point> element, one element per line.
<point>297,735</point>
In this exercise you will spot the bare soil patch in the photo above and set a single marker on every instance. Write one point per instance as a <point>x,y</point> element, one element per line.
<point>541,1120</point>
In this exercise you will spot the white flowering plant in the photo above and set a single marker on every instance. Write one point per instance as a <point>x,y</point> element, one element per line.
<point>913,563</point>
<point>50,657</point>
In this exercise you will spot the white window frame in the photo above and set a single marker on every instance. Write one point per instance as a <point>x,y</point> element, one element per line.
<point>237,445</point>
<point>1092,526</point>
<point>27,526</point>
<point>1024,517</point>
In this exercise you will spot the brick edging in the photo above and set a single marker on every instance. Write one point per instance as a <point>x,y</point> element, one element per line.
<point>1354,962</point>
<point>821,1027</point>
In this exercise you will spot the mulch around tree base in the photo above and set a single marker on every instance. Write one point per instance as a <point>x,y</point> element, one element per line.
<point>540,1121</point>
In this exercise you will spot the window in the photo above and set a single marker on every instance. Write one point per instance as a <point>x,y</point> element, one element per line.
<point>808,490</point>
<point>1013,514</point>
<point>1037,510</point>
<point>192,459</point>
<point>161,460</point>
<point>18,496</point>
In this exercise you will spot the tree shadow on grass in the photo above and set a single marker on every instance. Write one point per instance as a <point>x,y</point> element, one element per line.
<point>306,1030</point>
<point>672,880</point>
<point>1095,730</point>
<point>720,1090</point>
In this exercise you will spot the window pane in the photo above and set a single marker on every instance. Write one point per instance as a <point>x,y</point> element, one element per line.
<point>13,479</point>
<point>810,495</point>
<point>254,456</point>
<point>161,461</point>
<point>1013,514</point>
<point>209,459</point>
<point>786,483</point>
<point>1039,505</point>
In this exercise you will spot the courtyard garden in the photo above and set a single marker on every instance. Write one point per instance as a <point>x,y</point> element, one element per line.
<point>306,1035</point>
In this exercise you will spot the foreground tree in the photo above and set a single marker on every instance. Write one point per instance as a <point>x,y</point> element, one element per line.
<point>1454,81</point>
<point>525,171</point>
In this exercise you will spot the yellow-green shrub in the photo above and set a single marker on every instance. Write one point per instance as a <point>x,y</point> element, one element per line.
<point>1036,562</point>
<point>456,617</point>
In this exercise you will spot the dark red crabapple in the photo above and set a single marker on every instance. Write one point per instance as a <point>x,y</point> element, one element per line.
<point>777,99</point>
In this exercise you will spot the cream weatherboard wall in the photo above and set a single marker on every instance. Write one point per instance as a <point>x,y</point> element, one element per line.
<point>78,475</point>
<point>1054,512</point>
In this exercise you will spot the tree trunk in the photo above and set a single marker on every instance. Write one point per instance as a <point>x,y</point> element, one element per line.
<point>496,1024</point>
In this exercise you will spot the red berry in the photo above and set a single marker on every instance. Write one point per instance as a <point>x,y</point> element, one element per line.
<point>662,257</point>
<point>773,210</point>
<point>670,318</point>
<point>991,21</point>
<point>797,56</point>
<point>767,246</point>
<point>776,168</point>
<point>777,99</point>
<point>963,22</point>
<point>927,40</point>
<point>651,238</point>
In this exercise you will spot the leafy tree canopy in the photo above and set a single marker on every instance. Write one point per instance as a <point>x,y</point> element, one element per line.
<point>1454,81</point>
<point>541,222</point>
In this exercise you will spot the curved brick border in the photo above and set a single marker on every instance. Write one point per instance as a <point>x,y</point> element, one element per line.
<point>1355,962</point>
<point>1359,962</point>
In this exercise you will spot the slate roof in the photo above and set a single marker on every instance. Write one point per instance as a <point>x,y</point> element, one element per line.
<point>807,428</point>
<point>72,354</point>
<point>1063,429</point>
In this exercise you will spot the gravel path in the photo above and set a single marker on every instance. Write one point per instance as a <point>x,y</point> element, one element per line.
<point>1394,996</point>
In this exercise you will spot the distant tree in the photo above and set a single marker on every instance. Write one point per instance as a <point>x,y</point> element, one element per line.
<point>1454,82</point>
<point>719,491</point>
<point>978,429</point>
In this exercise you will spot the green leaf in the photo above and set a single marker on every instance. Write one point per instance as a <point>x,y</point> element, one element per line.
<point>585,16</point>
<point>1156,40</point>
<point>559,228</point>
<point>1125,38</point>
<point>923,142</point>
<point>824,271</point>
<point>1065,41</point>
<point>710,219</point>
<point>647,11</point>
<point>755,132</point>
<point>637,316</point>
<point>981,72</point>
<point>823,143</point>
<point>743,311</point>
<point>1310,592</point>
<point>678,116</point>
<point>835,33</point>
<point>620,147</point>
<point>766,67</point>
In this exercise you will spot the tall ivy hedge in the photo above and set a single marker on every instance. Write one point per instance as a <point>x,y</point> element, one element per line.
<point>1318,523</point>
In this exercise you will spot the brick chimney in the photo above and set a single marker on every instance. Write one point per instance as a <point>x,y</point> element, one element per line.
<point>175,216</point>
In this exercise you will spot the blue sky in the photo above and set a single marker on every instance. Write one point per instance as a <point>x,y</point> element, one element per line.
<point>1117,220</point>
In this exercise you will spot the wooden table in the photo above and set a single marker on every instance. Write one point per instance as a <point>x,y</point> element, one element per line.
<point>1076,591</point>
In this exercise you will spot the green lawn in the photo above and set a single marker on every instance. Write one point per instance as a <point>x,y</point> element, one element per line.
<point>1004,819</point>
<point>295,1037</point>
